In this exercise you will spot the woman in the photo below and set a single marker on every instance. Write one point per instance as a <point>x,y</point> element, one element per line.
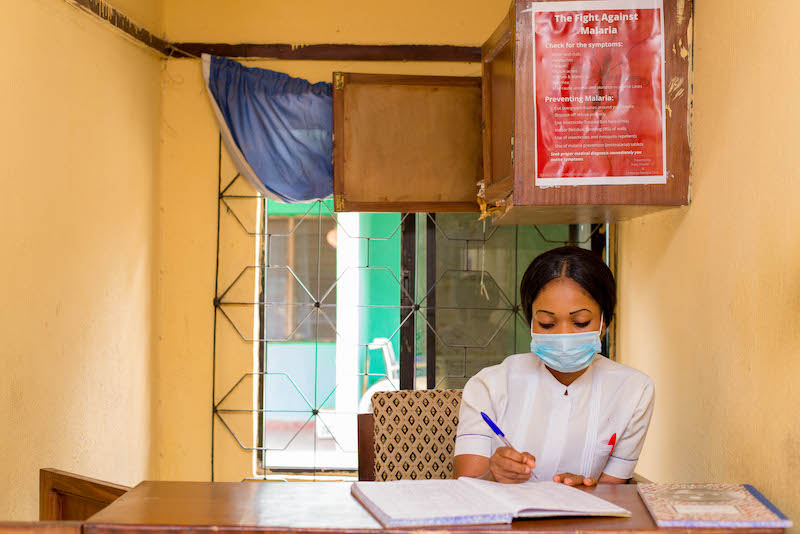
<point>572,415</point>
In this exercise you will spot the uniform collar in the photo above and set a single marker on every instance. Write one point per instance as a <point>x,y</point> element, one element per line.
<point>582,382</point>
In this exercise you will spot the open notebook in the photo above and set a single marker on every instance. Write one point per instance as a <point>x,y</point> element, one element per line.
<point>468,501</point>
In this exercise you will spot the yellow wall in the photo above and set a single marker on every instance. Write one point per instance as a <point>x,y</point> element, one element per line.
<point>465,22</point>
<point>146,13</point>
<point>709,295</point>
<point>78,169</point>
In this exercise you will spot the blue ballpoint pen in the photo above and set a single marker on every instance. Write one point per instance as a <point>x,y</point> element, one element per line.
<point>496,430</point>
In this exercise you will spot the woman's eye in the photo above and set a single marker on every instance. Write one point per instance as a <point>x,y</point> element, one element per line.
<point>546,326</point>
<point>582,325</point>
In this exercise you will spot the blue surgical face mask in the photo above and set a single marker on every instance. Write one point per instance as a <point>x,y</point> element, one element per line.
<point>567,353</point>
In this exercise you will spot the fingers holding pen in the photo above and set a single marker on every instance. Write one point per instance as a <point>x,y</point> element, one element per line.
<point>529,459</point>
<point>511,466</point>
<point>524,458</point>
<point>512,461</point>
<point>507,464</point>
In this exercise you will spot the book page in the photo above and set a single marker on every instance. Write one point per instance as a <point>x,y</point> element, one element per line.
<point>409,502</point>
<point>536,499</point>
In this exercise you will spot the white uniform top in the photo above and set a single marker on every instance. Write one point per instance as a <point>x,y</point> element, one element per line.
<point>566,433</point>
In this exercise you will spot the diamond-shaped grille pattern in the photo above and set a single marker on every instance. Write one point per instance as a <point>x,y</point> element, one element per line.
<point>285,304</point>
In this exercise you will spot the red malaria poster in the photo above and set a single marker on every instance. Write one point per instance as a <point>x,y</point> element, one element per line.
<point>599,92</point>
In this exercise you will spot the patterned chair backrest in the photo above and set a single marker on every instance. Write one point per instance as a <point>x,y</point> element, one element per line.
<point>415,433</point>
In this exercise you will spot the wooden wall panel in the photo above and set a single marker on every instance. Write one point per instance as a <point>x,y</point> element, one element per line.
<point>67,497</point>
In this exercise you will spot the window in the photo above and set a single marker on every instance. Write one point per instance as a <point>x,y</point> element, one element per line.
<point>316,370</point>
<point>301,268</point>
<point>329,308</point>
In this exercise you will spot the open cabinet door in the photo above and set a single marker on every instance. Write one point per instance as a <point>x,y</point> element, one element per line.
<point>497,55</point>
<point>406,143</point>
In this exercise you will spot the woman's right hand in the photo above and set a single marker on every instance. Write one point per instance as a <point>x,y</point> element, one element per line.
<point>511,467</point>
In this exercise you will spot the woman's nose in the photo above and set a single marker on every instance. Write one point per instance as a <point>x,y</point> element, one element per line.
<point>564,328</point>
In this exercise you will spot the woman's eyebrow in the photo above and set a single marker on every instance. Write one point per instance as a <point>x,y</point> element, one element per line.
<point>545,311</point>
<point>576,311</point>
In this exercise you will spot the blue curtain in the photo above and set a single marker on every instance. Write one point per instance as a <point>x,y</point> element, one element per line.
<point>281,127</point>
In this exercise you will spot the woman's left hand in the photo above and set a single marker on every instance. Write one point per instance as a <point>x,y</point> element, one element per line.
<point>568,479</point>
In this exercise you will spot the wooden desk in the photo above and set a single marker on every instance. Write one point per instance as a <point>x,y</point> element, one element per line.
<point>41,527</point>
<point>297,507</point>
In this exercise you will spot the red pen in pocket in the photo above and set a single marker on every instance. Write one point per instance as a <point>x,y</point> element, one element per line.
<point>612,442</point>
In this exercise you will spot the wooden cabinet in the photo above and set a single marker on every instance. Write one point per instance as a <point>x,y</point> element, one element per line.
<point>509,137</point>
<point>420,154</point>
<point>406,143</point>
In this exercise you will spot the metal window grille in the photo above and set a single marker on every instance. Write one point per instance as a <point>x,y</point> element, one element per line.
<point>315,310</point>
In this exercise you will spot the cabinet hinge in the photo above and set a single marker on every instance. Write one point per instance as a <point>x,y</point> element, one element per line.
<point>512,149</point>
<point>338,201</point>
<point>338,81</point>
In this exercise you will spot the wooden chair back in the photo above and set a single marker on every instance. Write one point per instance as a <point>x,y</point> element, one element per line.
<point>67,497</point>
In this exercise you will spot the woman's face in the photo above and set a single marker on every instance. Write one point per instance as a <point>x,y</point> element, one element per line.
<point>564,307</point>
